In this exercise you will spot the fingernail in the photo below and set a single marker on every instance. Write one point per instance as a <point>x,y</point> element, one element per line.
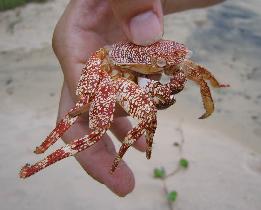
<point>145,28</point>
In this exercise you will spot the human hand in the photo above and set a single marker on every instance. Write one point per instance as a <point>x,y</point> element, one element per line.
<point>85,26</point>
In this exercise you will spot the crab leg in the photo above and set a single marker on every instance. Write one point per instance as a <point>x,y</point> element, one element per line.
<point>206,98</point>
<point>81,107</point>
<point>149,137</point>
<point>198,74</point>
<point>92,74</point>
<point>62,127</point>
<point>195,71</point>
<point>132,136</point>
<point>74,147</point>
<point>139,105</point>
<point>59,130</point>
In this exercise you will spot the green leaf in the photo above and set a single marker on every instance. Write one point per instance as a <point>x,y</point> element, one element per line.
<point>184,163</point>
<point>10,4</point>
<point>159,172</point>
<point>172,196</point>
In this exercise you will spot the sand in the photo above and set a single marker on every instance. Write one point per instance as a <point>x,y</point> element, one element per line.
<point>224,150</point>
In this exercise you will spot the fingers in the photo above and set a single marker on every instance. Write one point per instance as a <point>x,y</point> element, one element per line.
<point>97,160</point>
<point>141,20</point>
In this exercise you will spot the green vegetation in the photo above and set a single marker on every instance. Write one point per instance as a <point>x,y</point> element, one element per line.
<point>161,174</point>
<point>183,163</point>
<point>172,196</point>
<point>10,4</point>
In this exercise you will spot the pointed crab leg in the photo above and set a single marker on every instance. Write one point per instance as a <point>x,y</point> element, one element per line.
<point>149,137</point>
<point>74,147</point>
<point>59,130</point>
<point>139,105</point>
<point>206,98</point>
<point>62,127</point>
<point>199,74</point>
<point>195,71</point>
<point>132,136</point>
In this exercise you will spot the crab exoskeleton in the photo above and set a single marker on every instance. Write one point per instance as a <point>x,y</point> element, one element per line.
<point>116,74</point>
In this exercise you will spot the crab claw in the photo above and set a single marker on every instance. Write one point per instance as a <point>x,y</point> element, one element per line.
<point>164,104</point>
<point>200,75</point>
<point>161,94</point>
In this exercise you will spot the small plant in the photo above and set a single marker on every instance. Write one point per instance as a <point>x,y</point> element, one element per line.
<point>160,173</point>
<point>10,4</point>
<point>183,163</point>
<point>172,196</point>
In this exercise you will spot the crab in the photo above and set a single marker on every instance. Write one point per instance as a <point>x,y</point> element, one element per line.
<point>120,74</point>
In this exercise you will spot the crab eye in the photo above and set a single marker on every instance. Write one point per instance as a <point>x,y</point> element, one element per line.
<point>161,62</point>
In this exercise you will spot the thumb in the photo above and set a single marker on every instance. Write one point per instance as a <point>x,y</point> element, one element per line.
<point>141,20</point>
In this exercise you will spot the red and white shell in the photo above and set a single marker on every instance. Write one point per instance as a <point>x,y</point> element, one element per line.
<point>125,52</point>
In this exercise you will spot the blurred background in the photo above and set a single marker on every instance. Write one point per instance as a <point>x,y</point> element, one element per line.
<point>224,151</point>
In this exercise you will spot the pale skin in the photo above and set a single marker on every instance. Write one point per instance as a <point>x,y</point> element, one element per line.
<point>85,26</point>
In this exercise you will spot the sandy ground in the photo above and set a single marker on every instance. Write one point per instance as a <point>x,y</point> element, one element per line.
<point>224,151</point>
